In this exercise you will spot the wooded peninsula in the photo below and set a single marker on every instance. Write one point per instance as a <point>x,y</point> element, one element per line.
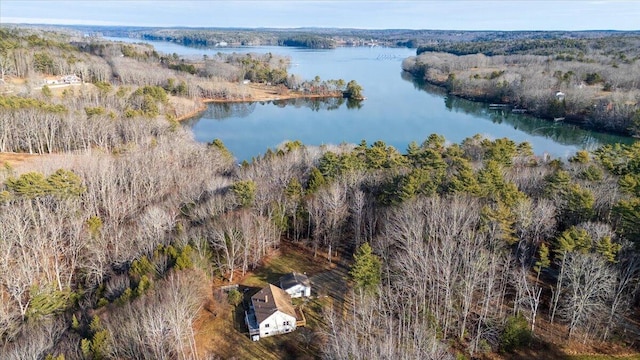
<point>122,237</point>
<point>592,81</point>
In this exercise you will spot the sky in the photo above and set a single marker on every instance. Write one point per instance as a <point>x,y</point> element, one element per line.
<point>416,14</point>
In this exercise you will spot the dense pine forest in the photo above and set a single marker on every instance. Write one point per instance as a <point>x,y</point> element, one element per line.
<point>117,227</point>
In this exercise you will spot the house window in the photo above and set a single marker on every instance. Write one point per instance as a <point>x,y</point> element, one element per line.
<point>285,323</point>
<point>266,325</point>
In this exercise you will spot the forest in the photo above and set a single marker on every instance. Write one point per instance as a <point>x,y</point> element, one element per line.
<point>592,82</point>
<point>116,228</point>
<point>324,37</point>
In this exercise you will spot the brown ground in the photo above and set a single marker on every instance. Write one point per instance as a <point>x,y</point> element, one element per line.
<point>22,162</point>
<point>550,343</point>
<point>15,159</point>
<point>254,92</point>
<point>181,108</point>
<point>221,330</point>
<point>226,336</point>
<point>262,92</point>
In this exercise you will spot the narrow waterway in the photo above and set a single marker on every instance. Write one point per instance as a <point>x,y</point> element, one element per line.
<point>398,110</point>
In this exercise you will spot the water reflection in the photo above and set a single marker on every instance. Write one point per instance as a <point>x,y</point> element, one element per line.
<point>398,110</point>
<point>562,133</point>
<point>354,104</point>
<point>221,111</point>
<point>315,104</point>
<point>318,104</point>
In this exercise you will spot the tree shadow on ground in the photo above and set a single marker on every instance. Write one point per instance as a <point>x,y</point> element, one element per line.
<point>538,349</point>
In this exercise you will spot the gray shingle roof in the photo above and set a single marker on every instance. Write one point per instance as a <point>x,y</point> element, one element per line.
<point>269,300</point>
<point>293,279</point>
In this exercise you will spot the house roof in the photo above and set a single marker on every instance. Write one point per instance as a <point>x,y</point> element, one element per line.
<point>269,300</point>
<point>293,279</point>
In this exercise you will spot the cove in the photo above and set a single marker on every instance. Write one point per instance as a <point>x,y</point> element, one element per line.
<point>398,109</point>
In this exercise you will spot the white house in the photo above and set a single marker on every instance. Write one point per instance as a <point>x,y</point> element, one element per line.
<point>270,313</point>
<point>71,79</point>
<point>296,284</point>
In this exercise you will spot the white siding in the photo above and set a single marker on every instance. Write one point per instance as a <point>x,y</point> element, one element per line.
<point>277,323</point>
<point>299,291</point>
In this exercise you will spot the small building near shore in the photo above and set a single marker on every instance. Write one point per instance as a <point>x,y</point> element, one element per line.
<point>71,79</point>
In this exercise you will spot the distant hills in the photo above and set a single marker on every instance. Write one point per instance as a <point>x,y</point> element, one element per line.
<point>329,37</point>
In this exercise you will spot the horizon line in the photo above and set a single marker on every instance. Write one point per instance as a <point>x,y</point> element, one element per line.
<point>3,23</point>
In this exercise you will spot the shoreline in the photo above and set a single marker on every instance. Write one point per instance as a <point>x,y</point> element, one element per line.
<point>276,98</point>
<point>484,99</point>
<point>262,94</point>
<point>258,93</point>
<point>202,107</point>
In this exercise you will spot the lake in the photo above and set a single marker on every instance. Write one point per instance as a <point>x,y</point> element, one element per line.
<point>398,109</point>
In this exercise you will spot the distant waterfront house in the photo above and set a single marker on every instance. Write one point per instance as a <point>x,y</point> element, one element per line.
<point>71,79</point>
<point>51,80</point>
<point>296,284</point>
<point>270,313</point>
<point>60,80</point>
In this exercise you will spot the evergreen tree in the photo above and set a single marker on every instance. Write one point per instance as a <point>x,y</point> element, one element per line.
<point>543,260</point>
<point>628,212</point>
<point>294,190</point>
<point>219,145</point>
<point>316,180</point>
<point>465,181</point>
<point>366,269</point>
<point>516,334</point>
<point>354,90</point>
<point>573,239</point>
<point>558,182</point>
<point>578,204</point>
<point>434,142</point>
<point>581,157</point>
<point>608,248</point>
<point>501,150</point>
<point>499,220</point>
<point>630,183</point>
<point>330,165</point>
<point>66,183</point>
<point>245,192</point>
<point>30,185</point>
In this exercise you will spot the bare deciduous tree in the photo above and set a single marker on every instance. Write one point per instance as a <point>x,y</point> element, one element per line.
<point>159,325</point>
<point>589,281</point>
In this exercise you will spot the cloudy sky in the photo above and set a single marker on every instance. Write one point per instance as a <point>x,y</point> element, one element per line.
<point>416,14</point>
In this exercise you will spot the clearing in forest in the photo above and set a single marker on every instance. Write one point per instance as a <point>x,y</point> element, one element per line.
<point>221,329</point>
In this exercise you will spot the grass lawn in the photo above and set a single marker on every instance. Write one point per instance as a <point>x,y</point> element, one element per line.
<point>221,329</point>
<point>290,257</point>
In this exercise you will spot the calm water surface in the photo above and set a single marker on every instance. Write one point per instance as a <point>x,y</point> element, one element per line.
<point>398,110</point>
